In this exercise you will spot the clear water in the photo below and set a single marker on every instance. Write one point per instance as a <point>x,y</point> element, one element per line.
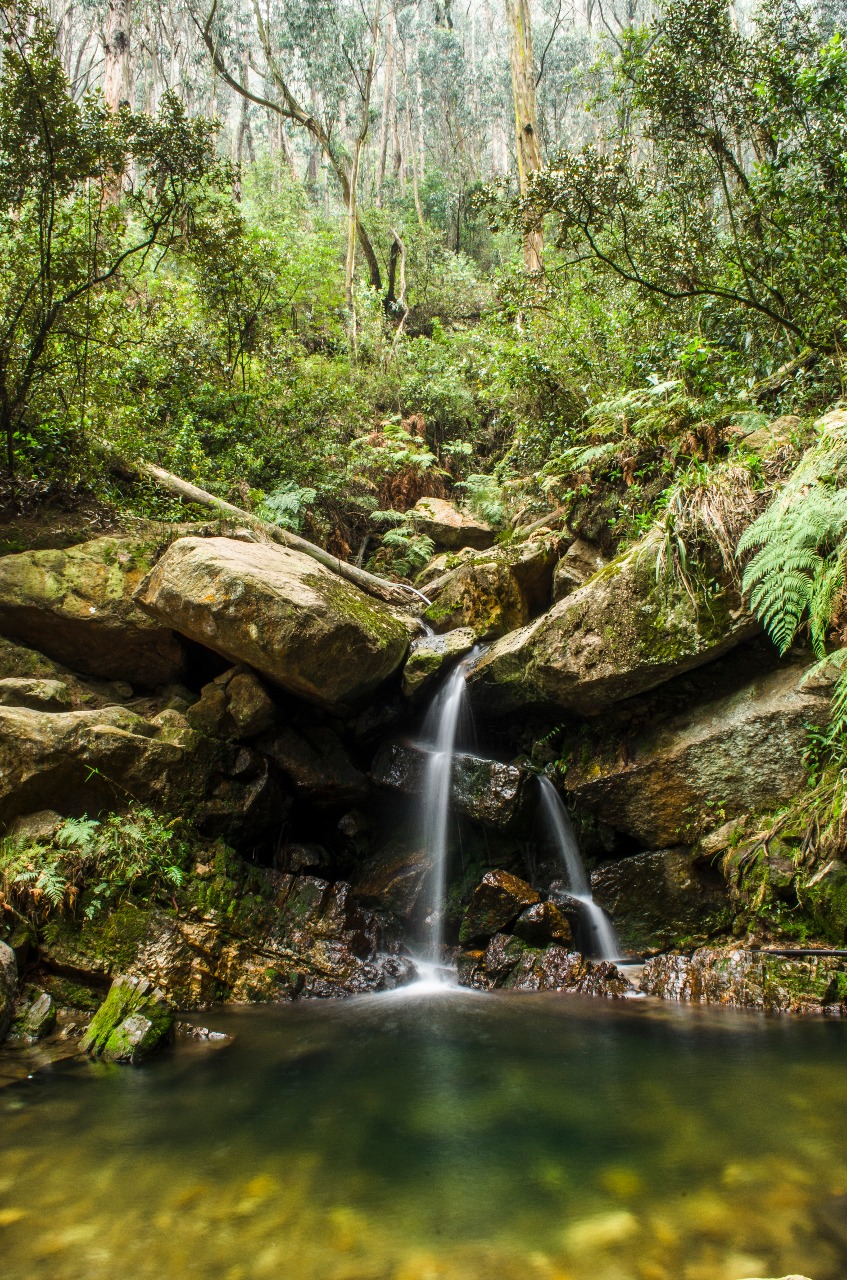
<point>440,1136</point>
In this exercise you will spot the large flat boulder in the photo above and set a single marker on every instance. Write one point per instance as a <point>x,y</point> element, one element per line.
<point>281,613</point>
<point>448,526</point>
<point>620,634</point>
<point>495,591</point>
<point>738,754</point>
<point>85,761</point>
<point>77,607</point>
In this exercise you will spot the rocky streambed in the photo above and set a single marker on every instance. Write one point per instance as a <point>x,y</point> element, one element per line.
<point>198,694</point>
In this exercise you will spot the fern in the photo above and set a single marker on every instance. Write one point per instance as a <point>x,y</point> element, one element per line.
<point>798,567</point>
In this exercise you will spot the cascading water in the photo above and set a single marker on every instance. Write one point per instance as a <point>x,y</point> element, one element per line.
<point>440,731</point>
<point>604,941</point>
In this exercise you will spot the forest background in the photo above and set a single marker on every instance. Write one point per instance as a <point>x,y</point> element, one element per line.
<point>322,257</point>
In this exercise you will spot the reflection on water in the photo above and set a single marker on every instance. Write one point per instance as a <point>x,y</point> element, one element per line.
<point>440,1137</point>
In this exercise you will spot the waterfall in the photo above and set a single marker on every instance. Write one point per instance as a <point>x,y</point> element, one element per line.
<point>604,942</point>
<point>440,731</point>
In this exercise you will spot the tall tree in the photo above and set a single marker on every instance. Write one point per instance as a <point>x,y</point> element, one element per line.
<point>117,69</point>
<point>526,116</point>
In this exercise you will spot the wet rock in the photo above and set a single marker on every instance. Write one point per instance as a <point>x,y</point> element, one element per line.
<point>448,526</point>
<point>542,924</point>
<point>510,963</point>
<point>619,635</point>
<point>300,858</point>
<point>662,900</point>
<point>739,754</point>
<point>82,761</point>
<point>497,795</point>
<point>497,901</point>
<point>249,934</point>
<point>281,613</point>
<point>132,1021</point>
<point>429,655</point>
<point>77,606</point>
<point>750,980</point>
<point>315,762</point>
<point>34,1016</point>
<point>393,879</point>
<point>495,591</point>
<point>577,566</point>
<point>8,987</point>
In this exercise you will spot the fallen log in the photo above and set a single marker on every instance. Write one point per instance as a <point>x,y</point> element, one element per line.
<point>390,592</point>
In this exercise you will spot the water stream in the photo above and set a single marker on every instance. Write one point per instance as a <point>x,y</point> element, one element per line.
<point>604,944</point>
<point>440,731</point>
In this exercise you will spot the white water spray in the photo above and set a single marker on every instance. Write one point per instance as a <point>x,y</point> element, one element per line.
<point>601,930</point>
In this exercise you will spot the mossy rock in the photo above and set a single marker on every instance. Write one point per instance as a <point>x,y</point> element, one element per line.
<point>132,1021</point>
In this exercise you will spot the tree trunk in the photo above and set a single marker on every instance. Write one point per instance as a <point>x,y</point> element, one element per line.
<point>526,120</point>
<point>353,185</point>
<point>117,72</point>
<point>390,592</point>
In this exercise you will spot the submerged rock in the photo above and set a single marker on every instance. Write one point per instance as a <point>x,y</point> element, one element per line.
<point>430,654</point>
<point>8,987</point>
<point>77,606</point>
<point>739,754</point>
<point>448,526</point>
<point>495,794</point>
<point>661,900</point>
<point>620,634</point>
<point>279,611</point>
<point>498,900</point>
<point>492,592</point>
<point>750,980</point>
<point>131,1022</point>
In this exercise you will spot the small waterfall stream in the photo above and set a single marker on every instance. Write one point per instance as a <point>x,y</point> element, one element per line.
<point>440,731</point>
<point>601,930</point>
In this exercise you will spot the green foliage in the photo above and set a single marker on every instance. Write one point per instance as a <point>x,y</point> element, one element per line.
<point>798,566</point>
<point>92,864</point>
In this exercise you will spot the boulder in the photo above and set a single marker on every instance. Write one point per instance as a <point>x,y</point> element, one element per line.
<point>131,1022</point>
<point>750,980</point>
<point>508,962</point>
<point>316,763</point>
<point>25,691</point>
<point>738,754</point>
<point>492,592</point>
<point>620,634</point>
<point>8,987</point>
<point>84,761</point>
<point>768,439</point>
<point>34,1016</point>
<point>281,613</point>
<point>577,566</point>
<point>448,526</point>
<point>429,655</point>
<point>661,900</point>
<point>394,879</point>
<point>246,934</point>
<point>77,606</point>
<point>498,900</point>
<point>233,705</point>
<point>542,924</point>
<point>497,795</point>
